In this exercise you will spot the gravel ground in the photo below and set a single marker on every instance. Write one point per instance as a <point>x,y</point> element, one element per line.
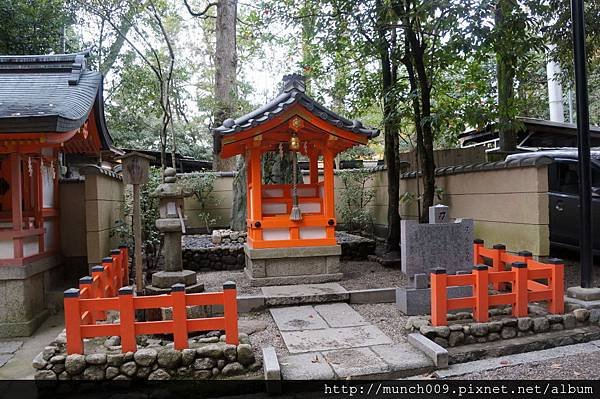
<point>267,337</point>
<point>573,367</point>
<point>358,275</point>
<point>387,317</point>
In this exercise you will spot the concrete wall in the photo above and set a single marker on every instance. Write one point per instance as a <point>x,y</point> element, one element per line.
<point>219,206</point>
<point>508,202</point>
<point>103,207</point>
<point>509,206</point>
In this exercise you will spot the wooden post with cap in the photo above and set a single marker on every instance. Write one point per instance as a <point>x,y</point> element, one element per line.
<point>230,312</point>
<point>439,297</point>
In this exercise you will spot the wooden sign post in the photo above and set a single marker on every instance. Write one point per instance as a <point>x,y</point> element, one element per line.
<point>135,172</point>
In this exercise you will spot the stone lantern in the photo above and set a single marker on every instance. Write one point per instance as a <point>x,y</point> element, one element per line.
<point>172,224</point>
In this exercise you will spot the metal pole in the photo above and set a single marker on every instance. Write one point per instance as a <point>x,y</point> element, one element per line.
<point>583,144</point>
<point>137,237</point>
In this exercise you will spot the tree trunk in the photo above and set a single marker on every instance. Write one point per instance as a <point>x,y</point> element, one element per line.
<point>225,71</point>
<point>421,88</point>
<point>238,208</point>
<point>390,127</point>
<point>505,65</point>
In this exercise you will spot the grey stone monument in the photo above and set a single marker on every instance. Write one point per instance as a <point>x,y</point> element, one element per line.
<point>446,245</point>
<point>443,243</point>
<point>172,224</point>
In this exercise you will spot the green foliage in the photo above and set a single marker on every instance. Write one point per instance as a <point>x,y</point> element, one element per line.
<point>201,185</point>
<point>35,26</point>
<point>355,197</point>
<point>151,239</point>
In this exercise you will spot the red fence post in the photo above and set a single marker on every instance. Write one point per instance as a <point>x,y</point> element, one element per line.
<point>557,284</point>
<point>230,312</point>
<point>519,307</point>
<point>481,311</point>
<point>109,271</point>
<point>125,251</point>
<point>85,285</point>
<point>439,297</point>
<point>497,263</point>
<point>180,332</point>
<point>115,254</point>
<point>477,258</point>
<point>73,321</point>
<point>127,320</point>
<point>98,290</point>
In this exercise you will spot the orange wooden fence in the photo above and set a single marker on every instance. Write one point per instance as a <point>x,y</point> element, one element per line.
<point>522,279</point>
<point>80,322</point>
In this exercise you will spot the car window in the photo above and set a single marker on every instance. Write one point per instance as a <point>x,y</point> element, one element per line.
<point>568,177</point>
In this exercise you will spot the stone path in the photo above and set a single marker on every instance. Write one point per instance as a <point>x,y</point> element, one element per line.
<point>8,349</point>
<point>333,341</point>
<point>304,293</point>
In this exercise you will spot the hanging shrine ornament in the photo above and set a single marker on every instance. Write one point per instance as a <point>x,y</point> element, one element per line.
<point>296,213</point>
<point>53,170</point>
<point>29,167</point>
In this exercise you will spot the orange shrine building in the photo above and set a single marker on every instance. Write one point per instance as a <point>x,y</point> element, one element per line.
<point>50,107</point>
<point>291,227</point>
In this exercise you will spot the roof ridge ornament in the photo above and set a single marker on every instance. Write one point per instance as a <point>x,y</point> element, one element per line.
<point>293,81</point>
<point>77,68</point>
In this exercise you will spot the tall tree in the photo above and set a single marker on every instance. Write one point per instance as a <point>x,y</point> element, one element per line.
<point>35,26</point>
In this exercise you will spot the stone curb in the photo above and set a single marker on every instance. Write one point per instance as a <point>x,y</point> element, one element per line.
<point>255,303</point>
<point>272,370</point>
<point>435,352</point>
<point>375,295</point>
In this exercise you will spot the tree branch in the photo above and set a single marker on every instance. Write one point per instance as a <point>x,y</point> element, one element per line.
<point>201,14</point>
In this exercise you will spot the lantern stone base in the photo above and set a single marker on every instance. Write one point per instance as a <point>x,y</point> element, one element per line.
<point>300,265</point>
<point>163,280</point>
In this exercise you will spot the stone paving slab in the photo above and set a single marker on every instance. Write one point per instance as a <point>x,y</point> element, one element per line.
<point>304,293</point>
<point>334,338</point>
<point>306,366</point>
<point>297,318</point>
<point>340,315</point>
<point>4,358</point>
<point>10,346</point>
<point>403,357</point>
<point>355,362</point>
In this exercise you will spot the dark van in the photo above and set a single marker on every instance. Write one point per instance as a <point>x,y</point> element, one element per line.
<point>563,193</point>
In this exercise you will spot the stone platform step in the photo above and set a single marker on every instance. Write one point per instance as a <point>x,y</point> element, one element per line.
<point>289,295</point>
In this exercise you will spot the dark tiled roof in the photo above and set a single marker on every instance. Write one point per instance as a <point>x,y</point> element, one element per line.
<point>533,161</point>
<point>49,93</point>
<point>293,92</point>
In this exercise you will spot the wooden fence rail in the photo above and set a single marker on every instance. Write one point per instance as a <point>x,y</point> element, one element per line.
<point>522,279</point>
<point>80,321</point>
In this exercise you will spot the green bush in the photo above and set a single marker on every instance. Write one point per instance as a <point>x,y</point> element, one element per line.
<point>354,199</point>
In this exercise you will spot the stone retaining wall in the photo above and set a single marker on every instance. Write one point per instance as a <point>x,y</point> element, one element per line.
<point>224,250</point>
<point>208,357</point>
<point>463,331</point>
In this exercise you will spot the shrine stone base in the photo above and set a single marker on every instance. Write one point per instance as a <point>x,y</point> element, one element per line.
<point>163,280</point>
<point>299,265</point>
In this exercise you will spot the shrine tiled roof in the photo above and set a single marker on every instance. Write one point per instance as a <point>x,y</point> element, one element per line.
<point>50,93</point>
<point>293,92</point>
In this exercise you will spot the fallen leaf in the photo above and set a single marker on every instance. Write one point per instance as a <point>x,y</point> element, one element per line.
<point>504,362</point>
<point>576,373</point>
<point>555,366</point>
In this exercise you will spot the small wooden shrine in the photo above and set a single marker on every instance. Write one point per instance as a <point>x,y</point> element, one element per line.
<point>49,106</point>
<point>291,215</point>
